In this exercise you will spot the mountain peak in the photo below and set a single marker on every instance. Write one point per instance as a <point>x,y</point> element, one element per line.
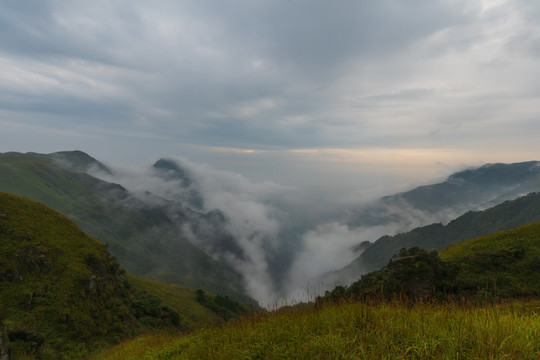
<point>78,160</point>
<point>174,169</point>
<point>499,172</point>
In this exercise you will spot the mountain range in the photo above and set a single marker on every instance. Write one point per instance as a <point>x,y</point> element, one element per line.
<point>470,189</point>
<point>500,265</point>
<point>65,292</point>
<point>174,237</point>
<point>509,214</point>
<point>144,232</point>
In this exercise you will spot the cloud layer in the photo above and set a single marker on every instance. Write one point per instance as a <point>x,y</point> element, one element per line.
<point>276,75</point>
<point>284,241</point>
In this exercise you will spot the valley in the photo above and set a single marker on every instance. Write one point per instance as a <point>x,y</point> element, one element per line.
<point>185,264</point>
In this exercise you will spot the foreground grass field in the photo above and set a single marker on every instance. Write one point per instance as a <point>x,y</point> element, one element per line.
<point>358,331</point>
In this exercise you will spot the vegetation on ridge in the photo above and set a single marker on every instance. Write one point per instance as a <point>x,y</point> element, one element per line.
<point>507,215</point>
<point>141,235</point>
<point>62,294</point>
<point>497,266</point>
<point>60,289</point>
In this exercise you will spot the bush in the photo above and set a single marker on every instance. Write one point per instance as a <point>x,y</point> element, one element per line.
<point>146,305</point>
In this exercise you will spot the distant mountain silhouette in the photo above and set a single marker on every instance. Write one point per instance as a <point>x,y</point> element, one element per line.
<point>472,189</point>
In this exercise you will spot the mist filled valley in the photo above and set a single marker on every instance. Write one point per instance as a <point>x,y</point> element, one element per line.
<point>288,243</point>
<point>188,223</point>
<point>177,246</point>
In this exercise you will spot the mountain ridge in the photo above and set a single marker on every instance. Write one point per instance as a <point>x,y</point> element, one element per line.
<point>500,265</point>
<point>63,295</point>
<point>508,214</point>
<point>144,237</point>
<point>471,189</point>
<point>174,237</point>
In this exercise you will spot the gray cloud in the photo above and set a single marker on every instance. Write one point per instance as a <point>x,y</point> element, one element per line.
<point>243,74</point>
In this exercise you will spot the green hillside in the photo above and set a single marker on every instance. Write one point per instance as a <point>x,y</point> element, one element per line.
<point>502,265</point>
<point>509,214</point>
<point>506,263</point>
<point>62,294</point>
<point>60,289</point>
<point>143,237</point>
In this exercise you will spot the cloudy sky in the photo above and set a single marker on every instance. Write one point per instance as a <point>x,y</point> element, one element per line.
<point>294,91</point>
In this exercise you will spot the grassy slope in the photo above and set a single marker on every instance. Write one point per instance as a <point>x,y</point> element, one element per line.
<point>388,330</point>
<point>508,261</point>
<point>526,236</point>
<point>179,298</point>
<point>57,283</point>
<point>61,287</point>
<point>145,241</point>
<point>358,331</point>
<point>504,216</point>
<point>498,266</point>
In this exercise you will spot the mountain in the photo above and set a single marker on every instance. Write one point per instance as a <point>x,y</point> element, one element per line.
<point>56,283</point>
<point>79,161</point>
<point>504,264</point>
<point>484,185</point>
<point>176,237</point>
<point>471,189</point>
<point>509,214</point>
<point>145,232</point>
<point>171,171</point>
<point>62,294</point>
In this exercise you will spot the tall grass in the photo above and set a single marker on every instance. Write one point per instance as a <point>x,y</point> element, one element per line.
<point>359,331</point>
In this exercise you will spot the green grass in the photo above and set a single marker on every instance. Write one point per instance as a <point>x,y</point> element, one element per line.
<point>527,236</point>
<point>181,299</point>
<point>57,284</point>
<point>358,331</point>
<point>506,263</point>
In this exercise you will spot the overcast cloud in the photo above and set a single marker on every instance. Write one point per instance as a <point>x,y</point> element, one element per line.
<point>224,81</point>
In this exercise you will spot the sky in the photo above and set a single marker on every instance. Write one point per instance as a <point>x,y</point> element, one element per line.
<point>336,94</point>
